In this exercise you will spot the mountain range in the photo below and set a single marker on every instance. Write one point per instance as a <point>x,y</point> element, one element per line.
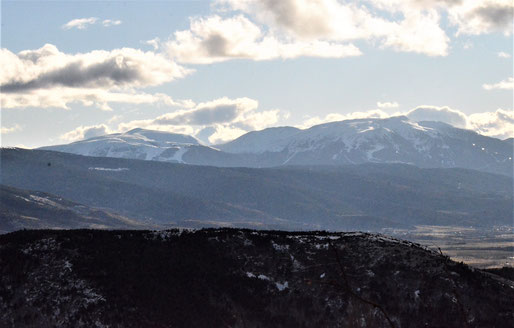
<point>366,196</point>
<point>390,140</point>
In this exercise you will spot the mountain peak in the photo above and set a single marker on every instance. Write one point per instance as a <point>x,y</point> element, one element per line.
<point>162,136</point>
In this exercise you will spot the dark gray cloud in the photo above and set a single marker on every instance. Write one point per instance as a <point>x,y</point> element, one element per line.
<point>497,15</point>
<point>202,116</point>
<point>216,45</point>
<point>113,72</point>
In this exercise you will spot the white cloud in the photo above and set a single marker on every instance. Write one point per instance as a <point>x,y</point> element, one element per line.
<point>214,39</point>
<point>387,104</point>
<point>507,84</point>
<point>418,32</point>
<point>269,29</point>
<point>499,124</point>
<point>98,98</point>
<point>154,43</point>
<point>111,22</point>
<point>84,23</point>
<point>502,54</point>
<point>223,133</point>
<point>46,77</point>
<point>85,132</point>
<point>213,121</point>
<point>7,130</point>
<point>80,23</point>
<point>442,114</point>
<point>414,30</point>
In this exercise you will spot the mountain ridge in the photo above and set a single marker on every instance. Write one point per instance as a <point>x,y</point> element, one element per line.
<point>365,196</point>
<point>392,140</point>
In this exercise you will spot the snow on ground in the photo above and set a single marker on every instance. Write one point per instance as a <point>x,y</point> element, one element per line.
<point>119,169</point>
<point>282,286</point>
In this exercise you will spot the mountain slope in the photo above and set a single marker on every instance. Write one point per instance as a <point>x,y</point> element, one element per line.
<point>367,196</point>
<point>23,209</point>
<point>95,181</point>
<point>271,139</point>
<point>240,278</point>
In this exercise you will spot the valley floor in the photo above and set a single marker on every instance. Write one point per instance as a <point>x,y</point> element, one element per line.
<point>480,248</point>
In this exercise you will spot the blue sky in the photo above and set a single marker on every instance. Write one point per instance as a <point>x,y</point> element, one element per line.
<point>77,69</point>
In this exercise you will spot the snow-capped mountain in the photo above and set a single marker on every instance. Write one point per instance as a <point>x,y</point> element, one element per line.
<point>391,140</point>
<point>135,144</point>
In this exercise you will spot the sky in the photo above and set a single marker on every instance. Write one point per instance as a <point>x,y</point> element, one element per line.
<point>215,70</point>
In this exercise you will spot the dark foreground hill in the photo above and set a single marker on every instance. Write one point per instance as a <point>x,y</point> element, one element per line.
<point>240,278</point>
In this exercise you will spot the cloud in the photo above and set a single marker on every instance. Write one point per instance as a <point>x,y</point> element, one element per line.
<point>215,39</point>
<point>442,114</point>
<point>482,17</point>
<point>86,132</point>
<point>507,84</point>
<point>387,104</point>
<point>270,29</point>
<point>216,111</point>
<point>80,23</point>
<point>213,121</point>
<point>154,43</point>
<point>502,54</point>
<point>225,119</point>
<point>7,130</point>
<point>498,124</point>
<point>471,17</point>
<point>46,77</point>
<point>48,67</point>
<point>99,98</point>
<point>84,23</point>
<point>111,22</point>
<point>415,30</point>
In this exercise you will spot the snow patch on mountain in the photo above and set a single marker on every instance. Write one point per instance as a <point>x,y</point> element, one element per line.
<point>136,144</point>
